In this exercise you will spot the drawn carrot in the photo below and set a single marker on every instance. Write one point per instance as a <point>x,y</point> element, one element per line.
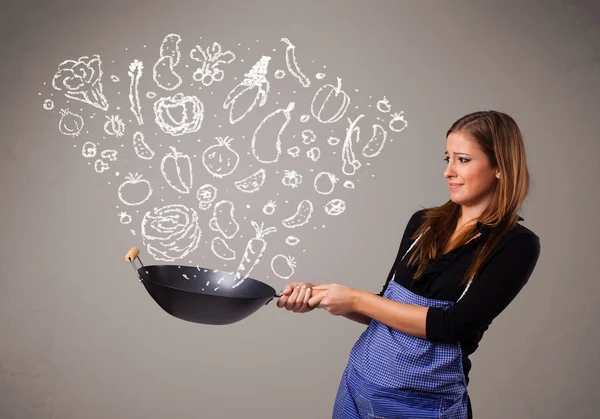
<point>254,251</point>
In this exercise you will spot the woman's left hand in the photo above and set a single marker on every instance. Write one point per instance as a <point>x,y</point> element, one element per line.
<point>336,299</point>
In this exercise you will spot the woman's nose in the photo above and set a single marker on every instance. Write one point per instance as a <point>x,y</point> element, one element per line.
<point>449,171</point>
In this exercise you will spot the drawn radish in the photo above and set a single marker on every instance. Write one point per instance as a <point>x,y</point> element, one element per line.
<point>394,125</point>
<point>383,105</point>
<point>254,251</point>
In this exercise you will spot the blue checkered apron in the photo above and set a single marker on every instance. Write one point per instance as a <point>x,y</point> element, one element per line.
<point>394,375</point>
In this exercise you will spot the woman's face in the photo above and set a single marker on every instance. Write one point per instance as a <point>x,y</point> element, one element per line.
<point>468,167</point>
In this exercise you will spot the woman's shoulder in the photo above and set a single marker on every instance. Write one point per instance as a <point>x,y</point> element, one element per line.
<point>519,241</point>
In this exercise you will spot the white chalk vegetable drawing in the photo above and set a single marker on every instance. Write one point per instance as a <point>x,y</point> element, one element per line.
<point>304,118</point>
<point>171,232</point>
<point>163,71</point>
<point>398,123</point>
<point>291,178</point>
<point>253,182</point>
<point>82,80</point>
<point>335,207</point>
<point>262,145</point>
<point>124,218</point>
<point>301,216</point>
<point>221,250</point>
<point>308,136</point>
<point>349,184</point>
<point>176,168</point>
<point>48,104</point>
<point>210,60</point>
<point>350,163</point>
<point>320,76</point>
<point>110,155</point>
<point>134,190</point>
<point>376,143</point>
<point>269,208</point>
<point>223,219</point>
<point>101,166</point>
<point>70,123</point>
<point>314,154</point>
<point>294,151</point>
<point>206,196</point>
<point>114,126</point>
<point>190,109</point>
<point>255,85</point>
<point>333,141</point>
<point>283,266</point>
<point>220,160</point>
<point>142,150</point>
<point>330,103</point>
<point>88,150</point>
<point>135,74</point>
<point>330,179</point>
<point>279,74</point>
<point>383,105</point>
<point>292,63</point>
<point>292,240</point>
<point>254,251</point>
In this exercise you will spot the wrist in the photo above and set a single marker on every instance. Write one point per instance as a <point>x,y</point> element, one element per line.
<point>355,299</point>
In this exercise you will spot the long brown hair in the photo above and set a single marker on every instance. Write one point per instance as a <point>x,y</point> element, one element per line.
<point>500,138</point>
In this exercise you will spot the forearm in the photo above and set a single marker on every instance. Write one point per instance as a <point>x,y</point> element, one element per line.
<point>358,317</point>
<point>407,318</point>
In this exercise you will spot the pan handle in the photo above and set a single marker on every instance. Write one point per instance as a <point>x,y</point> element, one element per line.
<point>132,254</point>
<point>313,292</point>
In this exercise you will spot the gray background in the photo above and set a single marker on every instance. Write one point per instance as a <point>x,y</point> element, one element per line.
<point>80,337</point>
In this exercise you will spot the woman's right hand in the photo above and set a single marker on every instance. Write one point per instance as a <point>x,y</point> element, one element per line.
<point>295,296</point>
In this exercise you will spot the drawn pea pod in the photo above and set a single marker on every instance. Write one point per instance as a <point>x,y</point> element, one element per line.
<point>176,168</point>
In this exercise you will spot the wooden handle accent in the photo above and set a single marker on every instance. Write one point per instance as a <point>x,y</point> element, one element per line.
<point>132,254</point>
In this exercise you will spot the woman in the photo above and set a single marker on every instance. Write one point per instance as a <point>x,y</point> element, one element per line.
<point>458,267</point>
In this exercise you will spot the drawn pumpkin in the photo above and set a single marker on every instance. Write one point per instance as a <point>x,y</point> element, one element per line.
<point>179,114</point>
<point>330,103</point>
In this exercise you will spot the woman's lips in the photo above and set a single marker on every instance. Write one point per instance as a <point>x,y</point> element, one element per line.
<point>454,185</point>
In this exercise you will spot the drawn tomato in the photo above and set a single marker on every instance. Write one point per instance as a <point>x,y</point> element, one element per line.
<point>134,187</point>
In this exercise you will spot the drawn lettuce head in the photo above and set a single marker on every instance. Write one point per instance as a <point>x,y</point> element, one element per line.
<point>82,80</point>
<point>171,232</point>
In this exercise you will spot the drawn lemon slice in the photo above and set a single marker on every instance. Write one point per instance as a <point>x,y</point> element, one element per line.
<point>252,183</point>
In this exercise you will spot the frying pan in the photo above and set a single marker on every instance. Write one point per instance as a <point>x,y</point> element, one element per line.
<point>201,295</point>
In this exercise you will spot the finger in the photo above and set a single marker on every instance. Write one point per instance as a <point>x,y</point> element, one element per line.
<point>282,300</point>
<point>316,300</point>
<point>300,298</point>
<point>292,300</point>
<point>307,296</point>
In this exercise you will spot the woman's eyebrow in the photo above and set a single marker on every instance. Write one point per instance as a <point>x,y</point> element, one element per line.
<point>456,152</point>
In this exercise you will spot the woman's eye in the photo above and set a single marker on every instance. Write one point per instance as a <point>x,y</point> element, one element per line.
<point>446,159</point>
<point>463,160</point>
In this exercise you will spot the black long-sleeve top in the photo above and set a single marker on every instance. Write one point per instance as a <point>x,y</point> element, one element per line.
<point>500,279</point>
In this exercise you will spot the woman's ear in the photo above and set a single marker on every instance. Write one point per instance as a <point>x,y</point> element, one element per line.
<point>498,174</point>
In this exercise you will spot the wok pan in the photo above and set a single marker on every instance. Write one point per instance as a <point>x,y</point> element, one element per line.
<point>202,295</point>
